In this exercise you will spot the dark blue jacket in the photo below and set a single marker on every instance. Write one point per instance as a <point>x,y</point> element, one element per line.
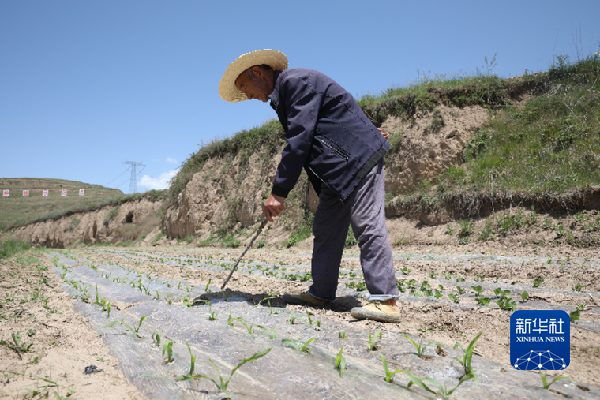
<point>327,133</point>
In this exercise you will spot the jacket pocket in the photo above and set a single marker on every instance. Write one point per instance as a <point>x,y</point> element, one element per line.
<point>334,147</point>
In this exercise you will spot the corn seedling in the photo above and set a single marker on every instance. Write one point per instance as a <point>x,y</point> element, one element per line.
<point>269,332</point>
<point>342,334</point>
<point>547,385</point>
<point>340,361</point>
<point>298,346</point>
<point>230,320</point>
<point>293,318</point>
<point>524,296</point>
<point>192,360</point>
<point>389,375</point>
<point>467,356</point>
<point>168,350</point>
<point>577,288</point>
<point>249,328</point>
<point>420,347</point>
<point>222,386</point>
<point>134,330</point>
<point>442,389</point>
<point>267,299</point>
<point>372,339</point>
<point>310,322</point>
<point>156,338</point>
<point>169,300</point>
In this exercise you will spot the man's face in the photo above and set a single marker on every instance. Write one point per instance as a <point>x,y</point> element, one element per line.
<point>258,87</point>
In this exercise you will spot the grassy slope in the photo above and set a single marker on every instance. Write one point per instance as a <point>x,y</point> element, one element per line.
<point>18,210</point>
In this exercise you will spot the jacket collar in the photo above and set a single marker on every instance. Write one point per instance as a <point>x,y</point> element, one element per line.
<point>274,96</point>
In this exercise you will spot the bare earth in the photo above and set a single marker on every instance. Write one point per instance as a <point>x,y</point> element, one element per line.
<point>64,343</point>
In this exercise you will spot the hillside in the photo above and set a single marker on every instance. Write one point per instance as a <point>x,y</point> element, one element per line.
<point>471,159</point>
<point>19,210</point>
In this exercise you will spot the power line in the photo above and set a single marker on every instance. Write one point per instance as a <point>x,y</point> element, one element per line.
<point>118,176</point>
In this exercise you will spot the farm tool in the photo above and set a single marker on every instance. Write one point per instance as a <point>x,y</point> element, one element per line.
<point>260,228</point>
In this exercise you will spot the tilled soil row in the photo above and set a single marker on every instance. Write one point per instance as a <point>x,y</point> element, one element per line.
<point>438,320</point>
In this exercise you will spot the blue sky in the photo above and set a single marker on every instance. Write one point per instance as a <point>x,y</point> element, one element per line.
<point>87,85</point>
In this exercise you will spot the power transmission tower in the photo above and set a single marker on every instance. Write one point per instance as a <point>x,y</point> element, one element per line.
<point>133,179</point>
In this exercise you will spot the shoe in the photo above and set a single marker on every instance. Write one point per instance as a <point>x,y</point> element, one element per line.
<point>384,311</point>
<point>304,299</point>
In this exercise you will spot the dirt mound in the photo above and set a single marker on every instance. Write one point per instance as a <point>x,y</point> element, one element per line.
<point>110,224</point>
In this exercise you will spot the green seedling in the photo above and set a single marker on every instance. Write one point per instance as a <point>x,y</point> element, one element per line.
<point>577,288</point>
<point>460,279</point>
<point>372,339</point>
<point>108,309</point>
<point>267,299</point>
<point>16,344</point>
<point>438,294</point>
<point>230,320</point>
<point>442,389</point>
<point>389,375</point>
<point>581,307</point>
<point>270,332</point>
<point>157,295</point>
<point>298,346</point>
<point>467,357</point>
<point>483,301</point>
<point>547,385</point>
<point>156,338</point>
<point>480,278</point>
<point>168,350</point>
<point>537,282</point>
<point>293,318</point>
<point>507,304</point>
<point>453,297</point>
<point>318,328</point>
<point>342,334</point>
<point>460,290</point>
<point>477,289</point>
<point>524,296</point>
<point>222,386</point>
<point>340,362</point>
<point>420,347</point>
<point>249,328</point>
<point>134,330</point>
<point>169,300</point>
<point>310,322</point>
<point>192,360</point>
<point>574,316</point>
<point>405,271</point>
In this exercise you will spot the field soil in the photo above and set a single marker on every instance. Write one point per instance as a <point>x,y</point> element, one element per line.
<point>172,287</point>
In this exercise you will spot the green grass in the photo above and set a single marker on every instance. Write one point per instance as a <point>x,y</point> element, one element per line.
<point>550,144</point>
<point>19,210</point>
<point>8,248</point>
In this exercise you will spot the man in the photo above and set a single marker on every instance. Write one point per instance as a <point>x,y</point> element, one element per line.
<point>342,152</point>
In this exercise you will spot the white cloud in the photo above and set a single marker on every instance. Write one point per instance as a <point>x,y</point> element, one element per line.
<point>162,182</point>
<point>172,160</point>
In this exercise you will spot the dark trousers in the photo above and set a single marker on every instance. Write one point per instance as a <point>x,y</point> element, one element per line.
<point>364,209</point>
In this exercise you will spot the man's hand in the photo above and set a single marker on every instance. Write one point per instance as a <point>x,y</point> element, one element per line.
<point>273,206</point>
<point>386,135</point>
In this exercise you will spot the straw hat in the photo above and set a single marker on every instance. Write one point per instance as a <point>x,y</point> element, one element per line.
<point>227,89</point>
